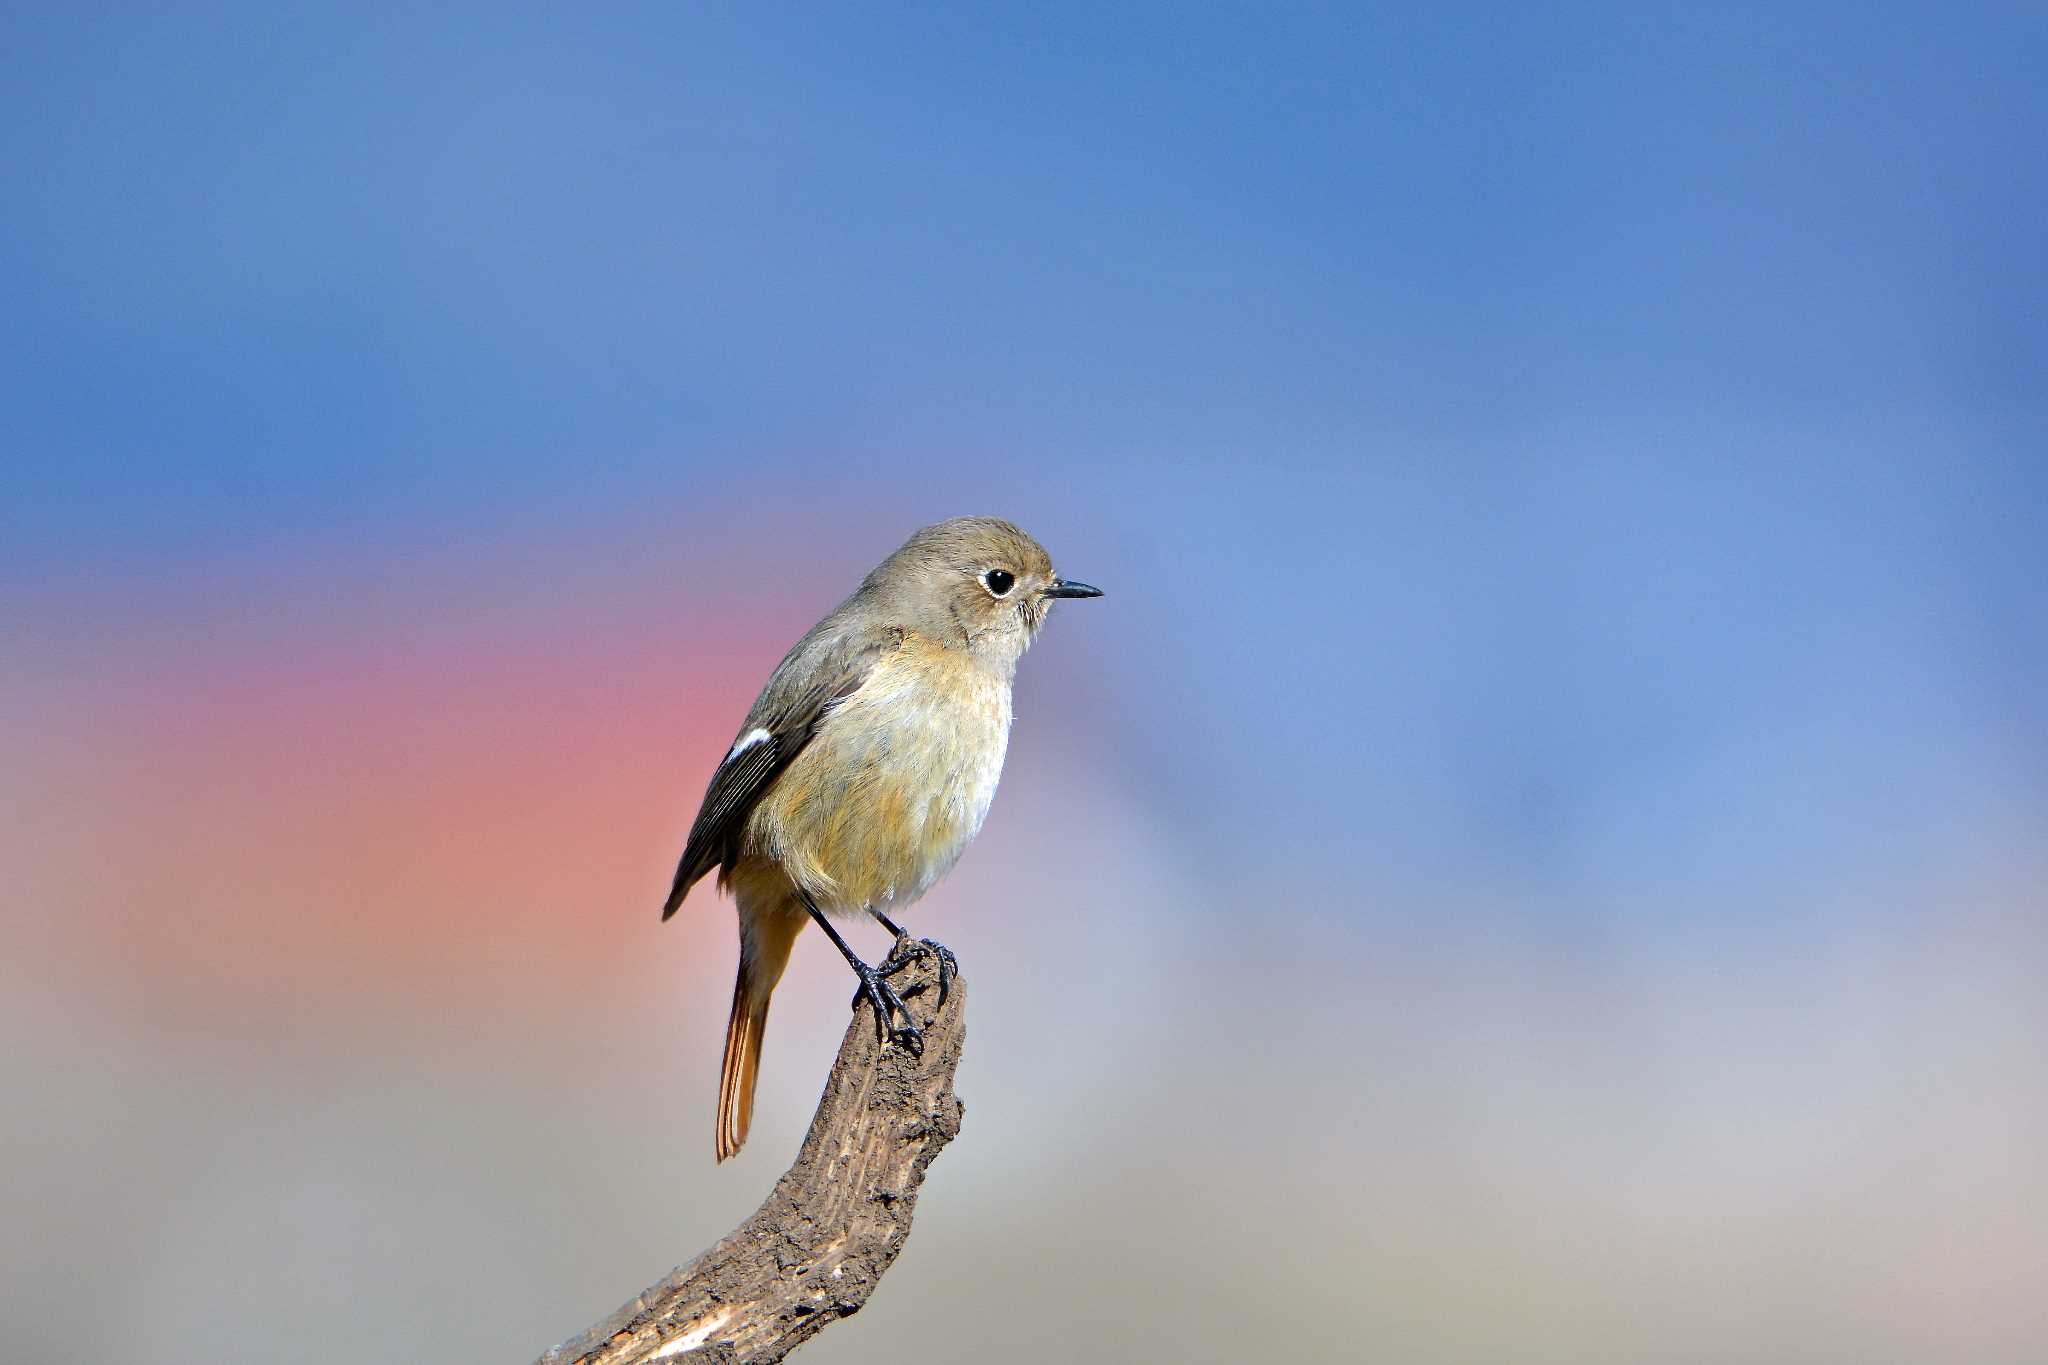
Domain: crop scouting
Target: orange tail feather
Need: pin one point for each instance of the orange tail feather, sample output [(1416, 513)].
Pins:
[(765, 942)]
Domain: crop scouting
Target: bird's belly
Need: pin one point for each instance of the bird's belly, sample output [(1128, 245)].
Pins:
[(898, 779)]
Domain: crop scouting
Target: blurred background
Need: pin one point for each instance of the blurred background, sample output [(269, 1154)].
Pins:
[(1539, 856)]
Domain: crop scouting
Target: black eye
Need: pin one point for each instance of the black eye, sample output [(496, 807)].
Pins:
[(999, 581)]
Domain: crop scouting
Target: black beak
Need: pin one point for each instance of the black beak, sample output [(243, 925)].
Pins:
[(1067, 587)]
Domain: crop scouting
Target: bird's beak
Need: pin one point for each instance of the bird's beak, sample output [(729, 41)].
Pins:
[(1067, 587)]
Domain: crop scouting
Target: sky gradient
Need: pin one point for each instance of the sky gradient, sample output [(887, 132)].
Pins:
[(1537, 857)]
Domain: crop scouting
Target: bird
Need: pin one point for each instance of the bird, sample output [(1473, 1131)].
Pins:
[(864, 769)]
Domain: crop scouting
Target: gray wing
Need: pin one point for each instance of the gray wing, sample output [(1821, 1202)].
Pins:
[(826, 666)]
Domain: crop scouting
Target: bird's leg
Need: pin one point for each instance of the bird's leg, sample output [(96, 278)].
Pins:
[(909, 950), (873, 988)]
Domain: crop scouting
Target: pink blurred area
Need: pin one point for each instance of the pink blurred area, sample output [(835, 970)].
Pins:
[(445, 833)]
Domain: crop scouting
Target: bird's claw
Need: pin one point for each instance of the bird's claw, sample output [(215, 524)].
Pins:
[(909, 950), (878, 992)]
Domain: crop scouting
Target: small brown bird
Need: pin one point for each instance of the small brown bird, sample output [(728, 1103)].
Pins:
[(864, 768)]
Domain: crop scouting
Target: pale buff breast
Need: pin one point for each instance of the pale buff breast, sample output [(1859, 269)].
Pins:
[(883, 800)]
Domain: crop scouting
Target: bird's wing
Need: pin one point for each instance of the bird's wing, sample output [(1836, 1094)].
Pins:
[(825, 667)]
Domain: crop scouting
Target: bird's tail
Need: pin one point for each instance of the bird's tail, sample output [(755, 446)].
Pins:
[(766, 936)]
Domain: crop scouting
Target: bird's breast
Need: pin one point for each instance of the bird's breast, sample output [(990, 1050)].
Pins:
[(899, 777)]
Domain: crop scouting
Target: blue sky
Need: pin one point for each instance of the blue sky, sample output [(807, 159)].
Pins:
[(1591, 364)]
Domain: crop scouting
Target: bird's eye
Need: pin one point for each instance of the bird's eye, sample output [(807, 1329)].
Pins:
[(999, 581)]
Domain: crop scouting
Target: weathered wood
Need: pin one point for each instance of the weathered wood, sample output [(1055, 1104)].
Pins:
[(835, 1221)]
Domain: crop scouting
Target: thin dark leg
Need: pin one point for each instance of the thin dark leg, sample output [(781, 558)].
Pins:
[(873, 988), (909, 950)]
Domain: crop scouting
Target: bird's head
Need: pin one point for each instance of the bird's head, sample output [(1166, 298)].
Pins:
[(977, 583)]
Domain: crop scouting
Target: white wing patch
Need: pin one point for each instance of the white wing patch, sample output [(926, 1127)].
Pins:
[(746, 742)]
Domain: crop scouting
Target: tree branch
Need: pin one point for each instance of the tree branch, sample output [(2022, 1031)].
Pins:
[(815, 1250)]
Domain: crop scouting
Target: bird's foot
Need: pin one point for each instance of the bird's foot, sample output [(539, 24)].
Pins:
[(909, 950), (876, 990)]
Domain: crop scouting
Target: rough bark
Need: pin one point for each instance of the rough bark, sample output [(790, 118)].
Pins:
[(834, 1223)]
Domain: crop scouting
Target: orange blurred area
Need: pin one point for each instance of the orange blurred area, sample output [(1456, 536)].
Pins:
[(466, 827)]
